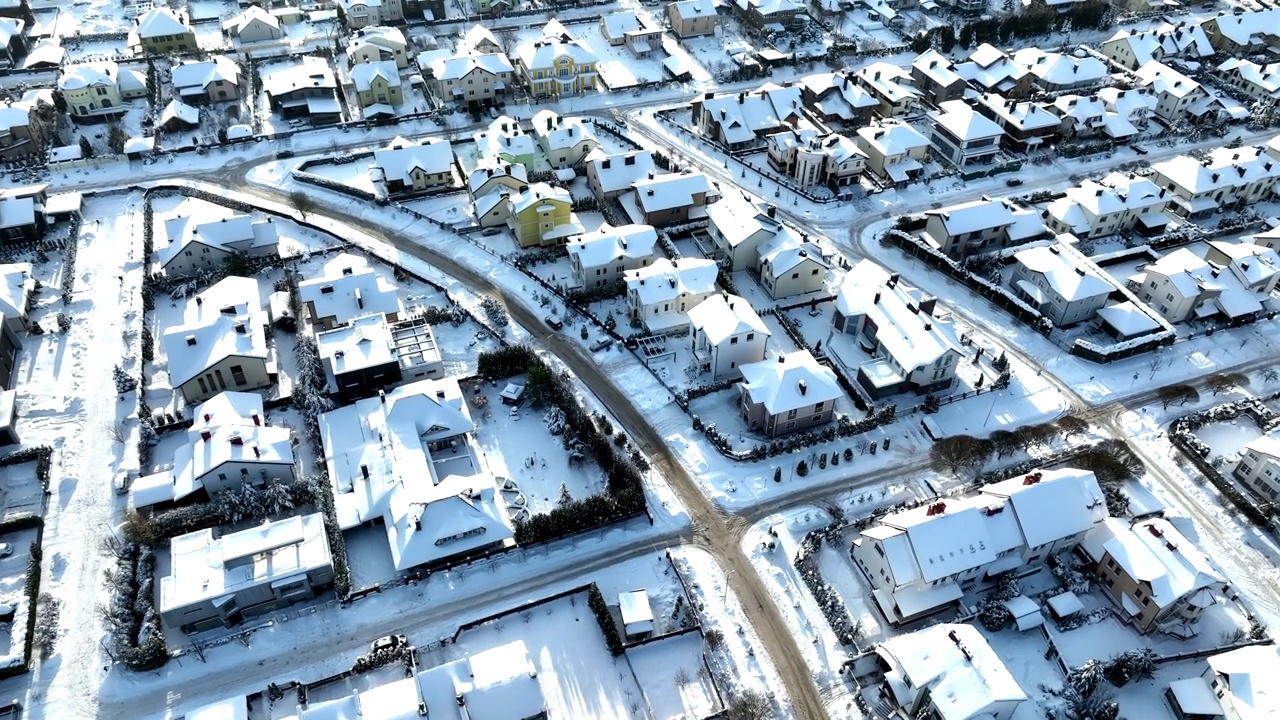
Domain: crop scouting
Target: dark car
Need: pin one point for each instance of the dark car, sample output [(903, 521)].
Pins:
[(1013, 182), (555, 322), (388, 642)]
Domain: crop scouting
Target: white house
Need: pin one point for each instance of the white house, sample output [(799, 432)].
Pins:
[(221, 343), (1175, 93), (602, 258), (786, 394), (742, 120), (1117, 203), (994, 71), (1060, 282), (791, 266), (1256, 267), (378, 87), (727, 334), (660, 295), (1089, 117), (913, 349), (202, 237), (833, 161), (368, 354), (348, 288), (473, 78), (738, 227), (637, 615), (968, 228), (213, 80), (612, 175), (1056, 72), (633, 30), (496, 176), (964, 136), (1259, 466), (1181, 285), (1235, 684), (253, 25), (1258, 82), (1244, 175), (405, 168), (17, 285), (1135, 49), (891, 86), (566, 141)]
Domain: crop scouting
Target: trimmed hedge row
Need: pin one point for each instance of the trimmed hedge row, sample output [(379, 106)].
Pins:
[(599, 608), (31, 588)]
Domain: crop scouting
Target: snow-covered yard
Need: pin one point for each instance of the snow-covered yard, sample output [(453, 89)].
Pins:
[(13, 577), (672, 677)]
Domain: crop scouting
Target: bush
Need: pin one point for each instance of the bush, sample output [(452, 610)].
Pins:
[(1130, 665), (612, 640), (124, 382), (505, 362), (802, 468), (131, 617)]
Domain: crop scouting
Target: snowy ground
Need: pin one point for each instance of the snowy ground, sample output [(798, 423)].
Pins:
[(673, 679), (13, 578)]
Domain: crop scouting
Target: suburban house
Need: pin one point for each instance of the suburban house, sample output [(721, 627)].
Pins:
[(890, 86), (218, 582), (161, 31), (479, 39), (727, 334), (377, 44), (692, 18), (944, 671), (369, 354), (1235, 684), (17, 287), (382, 458), (45, 54), (349, 288), (557, 64), (609, 176), (1059, 282), (661, 294), (922, 560), (221, 343), (1089, 117), (738, 228), (474, 78), (602, 258), (1056, 72), (212, 80), (1135, 49), (203, 237), (253, 25), (635, 31), (836, 97), (22, 217), (1158, 577), (494, 7), (565, 141), (803, 155), (362, 13), (1117, 203), (1027, 126), (980, 226), (377, 83), (542, 215), (406, 168), (1259, 466), (909, 348), (1256, 267), (496, 176), (670, 199), (964, 136), (176, 118), (786, 394), (504, 140), (989, 69), (936, 77), (782, 14), (791, 266), (1181, 285), (13, 43), (303, 87), (1257, 82), (742, 120), (895, 151), (1175, 93), (1226, 177), (1243, 33), (97, 90)]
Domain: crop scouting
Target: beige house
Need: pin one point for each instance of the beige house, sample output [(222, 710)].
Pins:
[(20, 132), (566, 141), (220, 352), (633, 30), (670, 199), (376, 43), (214, 80), (91, 89), (377, 84), (895, 151), (362, 13), (253, 25), (1259, 466), (1060, 282), (162, 31), (602, 258), (661, 294), (791, 266), (476, 79), (787, 394), (405, 168)]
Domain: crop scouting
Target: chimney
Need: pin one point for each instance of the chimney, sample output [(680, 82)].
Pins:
[(804, 387), (382, 395), (893, 280), (936, 509), (256, 452), (1154, 530), (359, 299), (254, 416), (207, 417), (771, 211), (364, 471), (199, 301), (605, 165), (782, 359), (191, 340), (650, 192), (206, 435), (237, 440), (928, 304), (876, 299), (440, 394)]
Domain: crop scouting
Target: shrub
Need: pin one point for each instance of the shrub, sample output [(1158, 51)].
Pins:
[(612, 640), (802, 468)]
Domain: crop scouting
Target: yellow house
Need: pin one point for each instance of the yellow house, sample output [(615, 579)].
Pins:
[(557, 64), (377, 83), (542, 215), (162, 31)]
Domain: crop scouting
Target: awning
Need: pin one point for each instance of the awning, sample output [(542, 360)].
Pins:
[(1065, 605), (1030, 290), (915, 601)]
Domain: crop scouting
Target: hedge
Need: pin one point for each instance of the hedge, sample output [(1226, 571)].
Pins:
[(42, 456), (31, 588), (599, 608)]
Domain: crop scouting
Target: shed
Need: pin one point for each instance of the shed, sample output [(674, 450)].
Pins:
[(154, 489), (1025, 611), (62, 206), (1142, 503), (281, 315), (512, 393), (136, 147), (1065, 605), (637, 616), (9, 418)]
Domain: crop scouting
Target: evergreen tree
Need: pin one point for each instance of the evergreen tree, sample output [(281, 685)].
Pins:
[(86, 150)]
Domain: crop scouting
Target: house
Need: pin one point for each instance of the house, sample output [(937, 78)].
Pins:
[(46, 54), (936, 77), (692, 18), (890, 86), (91, 90), (727, 334), (1258, 82), (357, 14), (1027, 126), (161, 31), (176, 118), (1175, 93), (964, 136), (13, 44), (496, 176), (738, 228), (218, 582), (17, 290), (787, 394), (10, 345), (1135, 49), (895, 151), (609, 176), (474, 78), (565, 141), (1178, 285), (1056, 72), (833, 161), (912, 349), (381, 451), (1158, 577), (542, 215), (961, 230), (635, 31), (303, 87), (1089, 117), (989, 69), (602, 258), (213, 80), (1235, 684), (557, 64), (504, 140), (406, 168), (22, 131), (1259, 466), (370, 354), (922, 560), (1268, 238), (22, 214), (221, 343), (944, 671), (742, 120), (1243, 33), (1115, 204), (349, 288), (253, 25), (377, 84), (786, 14), (836, 97), (1059, 282), (637, 616), (1136, 104), (203, 237), (1256, 267), (791, 266), (376, 44), (661, 294), (1225, 177), (670, 199), (479, 39)]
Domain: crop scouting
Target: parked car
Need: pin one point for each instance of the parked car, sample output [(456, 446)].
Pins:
[(1013, 182), (555, 322), (490, 232), (1139, 149), (388, 642), (283, 154), (6, 549), (601, 344)]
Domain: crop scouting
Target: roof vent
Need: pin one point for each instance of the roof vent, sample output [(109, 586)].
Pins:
[(803, 386), (206, 435), (241, 329), (1151, 528), (936, 509), (237, 440)]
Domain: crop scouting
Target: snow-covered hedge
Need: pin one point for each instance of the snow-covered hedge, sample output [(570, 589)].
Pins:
[(137, 639), (331, 184), (827, 597), (1182, 436), (599, 608)]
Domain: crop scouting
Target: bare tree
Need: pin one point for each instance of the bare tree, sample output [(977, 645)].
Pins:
[(749, 705), (302, 202), (1226, 382), (960, 455), (198, 646), (506, 38), (1177, 394)]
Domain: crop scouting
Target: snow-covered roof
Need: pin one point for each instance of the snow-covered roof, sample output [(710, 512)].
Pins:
[(619, 24), (542, 54), (537, 194), (913, 338), (491, 168), (236, 708), (685, 9), (401, 157), (206, 568), (365, 342), (251, 14), (790, 382), (990, 68), (1154, 553), (1249, 674), (160, 22), (966, 124), (1051, 505), (635, 610), (557, 132), (673, 190), (1223, 168), (1025, 116), (892, 138), (615, 173), (609, 244), (1253, 265), (305, 72), (1071, 279), (504, 136), (737, 218), (962, 673), (1264, 78), (459, 66), (195, 77), (348, 289), (1060, 70), (363, 74), (1248, 28), (478, 36), (744, 115), (180, 111), (215, 226), (1182, 40), (973, 216), (498, 683), (16, 285), (382, 36), (1268, 445), (192, 349), (1186, 271), (936, 67), (1115, 193), (785, 251), (721, 317), (1163, 79), (838, 95), (667, 280), (888, 80), (139, 145), (96, 74), (1128, 319)]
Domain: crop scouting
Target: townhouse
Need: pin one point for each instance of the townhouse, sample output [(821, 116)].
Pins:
[(1258, 82), (1225, 177), (1259, 466), (989, 69), (1242, 33), (1115, 204), (895, 151), (1135, 49), (1175, 93), (1027, 126)]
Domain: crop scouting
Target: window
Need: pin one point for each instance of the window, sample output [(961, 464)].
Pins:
[(751, 336), (879, 549), (238, 376), (790, 425), (815, 271), (817, 407), (222, 384), (733, 340), (791, 414), (795, 275)]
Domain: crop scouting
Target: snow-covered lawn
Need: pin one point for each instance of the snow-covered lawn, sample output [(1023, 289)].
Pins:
[(1227, 439), (20, 491), (13, 577), (354, 172), (672, 677)]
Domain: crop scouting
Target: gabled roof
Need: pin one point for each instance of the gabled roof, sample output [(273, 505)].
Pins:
[(251, 14), (557, 132), (1246, 27), (1249, 674), (491, 168), (199, 75), (401, 157), (1223, 168), (1052, 505), (307, 71), (961, 120), (912, 337), (161, 21), (543, 53), (459, 66), (892, 138), (1071, 280), (837, 94), (785, 251), (504, 136), (990, 68), (888, 80), (666, 280), (364, 74), (622, 169), (673, 190), (936, 67), (720, 317), (536, 194), (609, 244), (790, 382), (973, 216), (180, 111), (962, 673), (685, 9), (215, 226), (1163, 79), (1021, 115), (478, 36), (1155, 553), (1265, 78), (16, 285), (349, 289), (743, 115), (192, 349), (1060, 70)]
